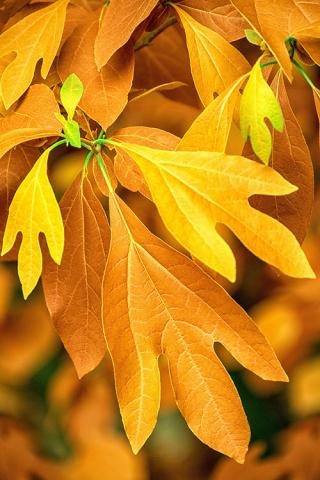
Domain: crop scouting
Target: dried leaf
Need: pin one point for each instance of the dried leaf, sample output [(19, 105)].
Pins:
[(34, 210), (155, 301), (73, 289), (38, 34), (106, 92), (195, 192), (33, 118), (119, 20), (215, 63)]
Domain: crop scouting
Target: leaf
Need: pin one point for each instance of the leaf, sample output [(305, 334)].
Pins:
[(215, 64), (258, 102), (220, 16), (119, 20), (126, 170), (72, 133), (253, 37), (166, 60), (291, 158), (210, 130), (35, 37), (195, 192), (105, 93), (34, 210), (71, 93), (73, 289), (156, 300), (159, 88), (33, 118), (275, 24)]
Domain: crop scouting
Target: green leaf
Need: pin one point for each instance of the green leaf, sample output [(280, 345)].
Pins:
[(71, 93), (72, 132), (258, 102), (253, 36)]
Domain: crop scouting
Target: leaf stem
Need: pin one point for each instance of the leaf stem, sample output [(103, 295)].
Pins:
[(104, 172), (272, 62), (57, 144), (306, 77), (147, 39), (85, 145), (86, 162)]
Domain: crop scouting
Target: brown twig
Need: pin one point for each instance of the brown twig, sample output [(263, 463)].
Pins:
[(149, 37)]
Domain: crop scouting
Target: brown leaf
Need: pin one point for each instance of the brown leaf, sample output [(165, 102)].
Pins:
[(290, 157), (156, 300), (106, 92), (119, 20), (126, 170), (219, 15), (73, 289), (33, 118)]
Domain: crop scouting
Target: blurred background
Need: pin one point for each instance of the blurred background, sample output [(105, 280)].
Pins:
[(53, 426)]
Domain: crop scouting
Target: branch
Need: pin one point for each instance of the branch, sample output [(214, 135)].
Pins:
[(149, 37)]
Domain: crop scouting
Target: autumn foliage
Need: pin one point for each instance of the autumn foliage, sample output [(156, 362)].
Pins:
[(157, 174)]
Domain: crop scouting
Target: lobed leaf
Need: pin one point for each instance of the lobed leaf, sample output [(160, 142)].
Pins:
[(35, 37), (258, 102), (34, 210), (156, 301), (195, 192)]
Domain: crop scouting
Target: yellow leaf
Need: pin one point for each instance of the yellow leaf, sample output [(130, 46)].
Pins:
[(35, 37), (34, 210), (156, 300), (258, 102), (210, 130), (195, 192), (215, 63)]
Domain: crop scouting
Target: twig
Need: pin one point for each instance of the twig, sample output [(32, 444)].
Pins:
[(147, 39)]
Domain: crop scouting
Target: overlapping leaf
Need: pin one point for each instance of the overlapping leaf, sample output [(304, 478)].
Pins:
[(33, 118), (119, 20), (106, 92), (35, 37), (258, 102), (34, 210), (215, 63), (73, 288), (219, 15), (276, 21), (156, 301), (291, 157), (126, 170), (14, 166), (194, 193), (210, 130)]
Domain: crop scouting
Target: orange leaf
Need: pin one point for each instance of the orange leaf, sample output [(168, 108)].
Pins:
[(156, 300), (106, 92), (119, 20), (126, 170), (291, 157), (33, 118), (73, 289), (219, 15), (36, 36)]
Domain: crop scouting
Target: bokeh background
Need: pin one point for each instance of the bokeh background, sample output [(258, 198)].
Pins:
[(53, 426)]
